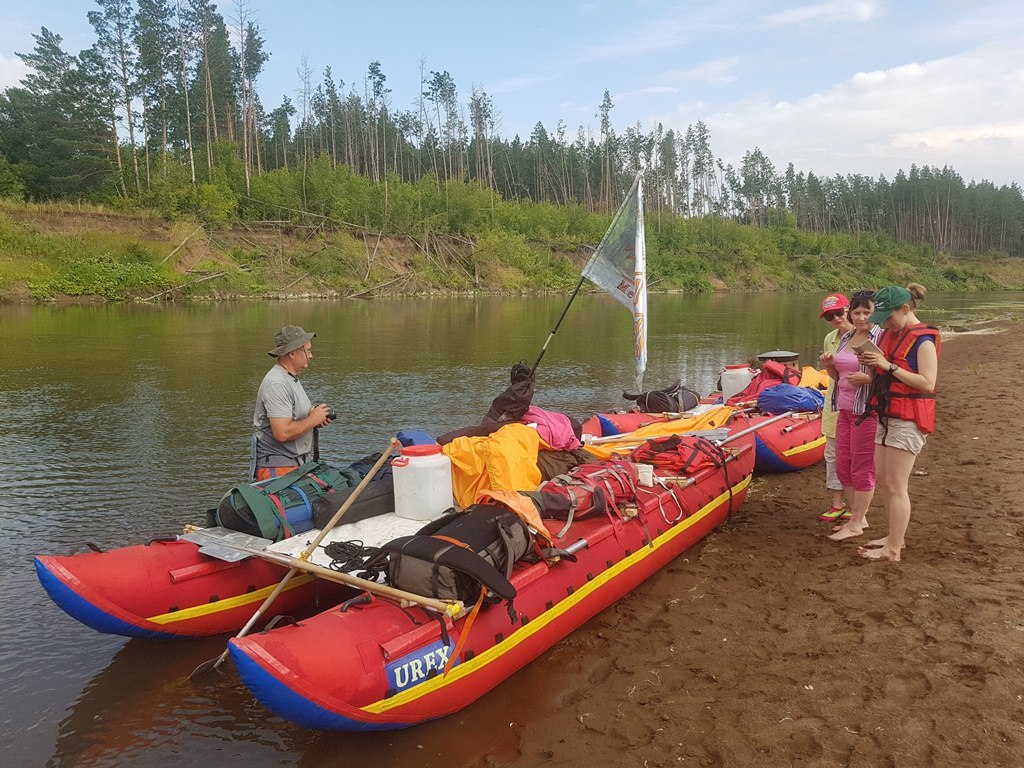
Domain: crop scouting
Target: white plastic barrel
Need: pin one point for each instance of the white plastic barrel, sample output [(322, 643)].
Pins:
[(423, 482), (734, 379)]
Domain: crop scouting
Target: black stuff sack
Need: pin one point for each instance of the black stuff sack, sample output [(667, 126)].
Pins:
[(377, 498)]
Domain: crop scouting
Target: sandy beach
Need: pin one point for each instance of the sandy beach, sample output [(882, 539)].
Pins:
[(772, 646)]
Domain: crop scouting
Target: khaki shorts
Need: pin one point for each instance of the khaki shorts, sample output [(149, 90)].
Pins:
[(900, 433)]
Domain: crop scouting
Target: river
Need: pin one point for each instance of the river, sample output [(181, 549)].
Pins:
[(122, 423)]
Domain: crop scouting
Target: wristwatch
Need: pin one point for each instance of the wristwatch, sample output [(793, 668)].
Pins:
[(893, 368)]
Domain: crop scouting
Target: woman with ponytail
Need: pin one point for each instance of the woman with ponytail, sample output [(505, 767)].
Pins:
[(903, 396)]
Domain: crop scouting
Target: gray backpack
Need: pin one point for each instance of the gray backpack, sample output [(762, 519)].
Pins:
[(459, 554)]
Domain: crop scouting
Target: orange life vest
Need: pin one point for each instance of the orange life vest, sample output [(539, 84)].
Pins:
[(892, 397)]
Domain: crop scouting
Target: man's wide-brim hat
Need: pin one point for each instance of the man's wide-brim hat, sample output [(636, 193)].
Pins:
[(288, 339)]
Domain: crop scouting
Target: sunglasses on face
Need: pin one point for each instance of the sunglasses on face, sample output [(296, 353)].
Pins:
[(830, 316)]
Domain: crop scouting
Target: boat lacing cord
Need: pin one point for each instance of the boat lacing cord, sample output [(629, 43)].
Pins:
[(661, 507), (719, 458), (351, 556)]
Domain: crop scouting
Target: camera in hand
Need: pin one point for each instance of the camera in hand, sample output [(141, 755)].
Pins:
[(331, 413)]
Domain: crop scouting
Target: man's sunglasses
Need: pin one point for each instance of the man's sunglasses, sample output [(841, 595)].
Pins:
[(830, 316)]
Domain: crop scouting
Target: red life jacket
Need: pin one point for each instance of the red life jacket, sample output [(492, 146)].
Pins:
[(895, 399)]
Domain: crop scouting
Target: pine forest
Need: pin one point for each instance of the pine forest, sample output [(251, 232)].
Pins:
[(163, 113)]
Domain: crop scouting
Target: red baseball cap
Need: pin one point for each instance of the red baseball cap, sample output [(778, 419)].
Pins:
[(833, 302)]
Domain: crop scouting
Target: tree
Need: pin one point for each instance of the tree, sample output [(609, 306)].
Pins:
[(758, 186), (54, 126), (251, 58), (185, 53), (334, 109), (607, 151), (481, 117), (441, 92), (216, 76), (376, 116), (154, 37), (113, 25), (281, 131)]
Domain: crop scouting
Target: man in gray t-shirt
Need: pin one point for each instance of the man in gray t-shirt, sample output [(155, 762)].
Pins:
[(284, 419)]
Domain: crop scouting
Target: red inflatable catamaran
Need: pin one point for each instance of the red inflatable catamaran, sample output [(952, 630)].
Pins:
[(374, 663)]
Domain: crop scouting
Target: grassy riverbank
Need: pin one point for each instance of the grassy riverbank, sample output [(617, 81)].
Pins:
[(65, 251)]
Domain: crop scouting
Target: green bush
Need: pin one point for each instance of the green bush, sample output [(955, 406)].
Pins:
[(111, 276)]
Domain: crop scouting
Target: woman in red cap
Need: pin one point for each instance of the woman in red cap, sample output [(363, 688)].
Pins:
[(833, 311)]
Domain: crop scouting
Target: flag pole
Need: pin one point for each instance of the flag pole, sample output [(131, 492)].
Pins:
[(555, 329)]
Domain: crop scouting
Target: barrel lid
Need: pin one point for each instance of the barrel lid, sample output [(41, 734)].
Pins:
[(779, 355), (737, 367), (428, 449)]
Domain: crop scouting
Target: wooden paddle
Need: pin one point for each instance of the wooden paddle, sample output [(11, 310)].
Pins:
[(212, 664), (451, 607)]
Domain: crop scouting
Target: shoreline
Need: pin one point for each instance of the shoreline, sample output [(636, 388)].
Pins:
[(770, 645)]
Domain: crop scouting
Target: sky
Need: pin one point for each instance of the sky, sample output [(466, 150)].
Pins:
[(835, 87)]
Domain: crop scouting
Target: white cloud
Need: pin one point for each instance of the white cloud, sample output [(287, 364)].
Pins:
[(858, 11), (663, 35), (12, 71), (520, 83), (962, 111), (714, 71), (652, 90)]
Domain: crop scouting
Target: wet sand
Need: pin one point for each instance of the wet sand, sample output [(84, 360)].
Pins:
[(772, 646)]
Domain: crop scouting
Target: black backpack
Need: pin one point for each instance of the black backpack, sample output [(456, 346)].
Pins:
[(672, 399), (459, 554)]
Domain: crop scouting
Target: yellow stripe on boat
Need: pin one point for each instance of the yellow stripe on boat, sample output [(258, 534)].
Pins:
[(808, 447), (227, 604), (536, 625)]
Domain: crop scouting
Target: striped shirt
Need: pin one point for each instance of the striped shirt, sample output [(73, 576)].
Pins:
[(864, 390)]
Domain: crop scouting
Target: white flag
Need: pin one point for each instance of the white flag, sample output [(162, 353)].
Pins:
[(619, 266)]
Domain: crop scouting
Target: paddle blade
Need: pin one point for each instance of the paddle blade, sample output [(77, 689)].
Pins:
[(208, 666)]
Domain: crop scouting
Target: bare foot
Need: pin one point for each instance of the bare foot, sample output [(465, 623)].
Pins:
[(883, 542), (879, 553), (847, 531), (837, 528)]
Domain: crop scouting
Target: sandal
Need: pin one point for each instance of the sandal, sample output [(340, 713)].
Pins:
[(847, 514), (833, 514)]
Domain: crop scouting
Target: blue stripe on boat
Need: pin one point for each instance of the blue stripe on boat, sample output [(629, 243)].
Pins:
[(81, 609), (766, 461), (279, 698)]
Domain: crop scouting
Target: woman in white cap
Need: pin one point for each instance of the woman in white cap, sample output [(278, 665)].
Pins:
[(284, 419), (904, 398)]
